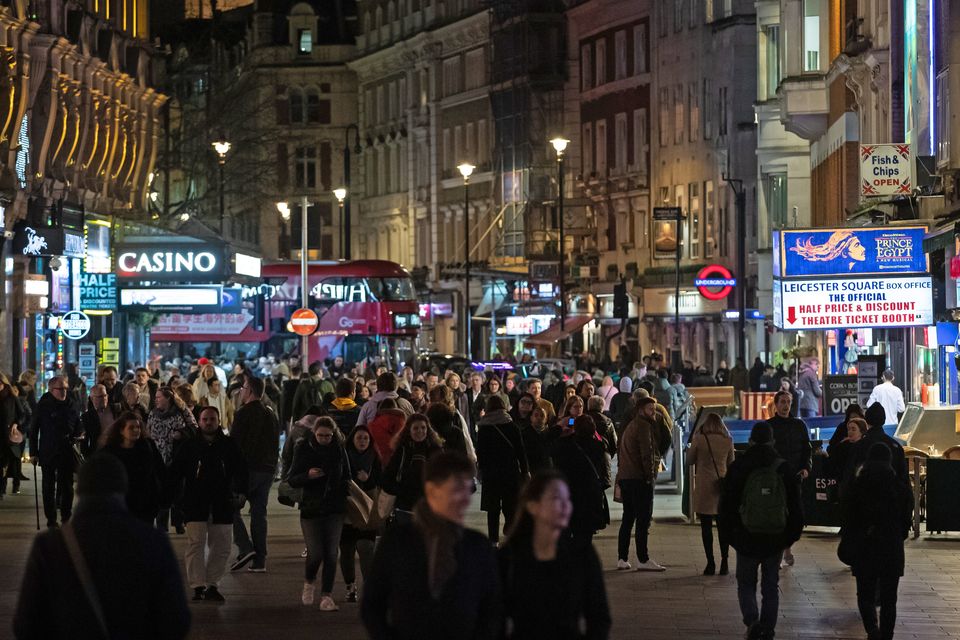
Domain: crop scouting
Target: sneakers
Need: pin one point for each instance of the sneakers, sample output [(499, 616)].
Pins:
[(212, 594), (198, 594), (623, 565), (650, 565), (256, 568), (327, 604), (788, 558), (352, 592), (303, 554), (309, 592), (242, 560)]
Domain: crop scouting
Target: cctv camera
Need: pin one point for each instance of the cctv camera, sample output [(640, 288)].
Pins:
[(55, 263)]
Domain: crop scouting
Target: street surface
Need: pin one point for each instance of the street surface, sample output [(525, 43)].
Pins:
[(818, 597)]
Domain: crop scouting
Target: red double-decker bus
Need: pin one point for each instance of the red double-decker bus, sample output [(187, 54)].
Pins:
[(367, 308)]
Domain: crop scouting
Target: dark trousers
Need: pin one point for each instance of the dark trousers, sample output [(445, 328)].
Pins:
[(58, 489), (769, 590), (322, 537), (505, 503), (637, 497), (258, 493), (874, 591), (706, 534), (353, 541), (14, 468)]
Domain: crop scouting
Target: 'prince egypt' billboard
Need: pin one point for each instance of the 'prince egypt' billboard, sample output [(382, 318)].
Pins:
[(848, 252)]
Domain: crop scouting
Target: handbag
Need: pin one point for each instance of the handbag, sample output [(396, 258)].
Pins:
[(360, 506), (16, 436), (385, 504), (288, 496), (523, 475), (83, 573)]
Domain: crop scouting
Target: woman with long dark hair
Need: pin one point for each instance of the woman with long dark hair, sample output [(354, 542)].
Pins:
[(12, 436), (365, 470), (711, 450), (403, 476), (126, 440), (552, 589), (579, 456)]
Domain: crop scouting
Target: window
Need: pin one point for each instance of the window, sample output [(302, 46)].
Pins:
[(640, 141), (640, 49), (771, 37), (483, 144), (775, 197), (694, 219), (448, 160), (811, 35), (381, 105), (693, 99), (476, 69), (709, 221), (663, 21), (708, 109), (601, 61), (587, 149), (318, 111), (392, 111), (722, 112), (304, 41), (586, 68), (451, 76), (679, 123), (678, 12), (644, 240), (306, 167), (369, 107), (620, 47), (470, 145), (620, 143), (458, 148), (601, 128), (663, 109), (297, 115)]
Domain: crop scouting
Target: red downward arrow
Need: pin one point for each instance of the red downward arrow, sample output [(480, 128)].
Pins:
[(791, 314)]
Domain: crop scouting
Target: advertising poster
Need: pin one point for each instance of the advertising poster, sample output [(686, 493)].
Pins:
[(852, 252), (839, 392), (666, 232)]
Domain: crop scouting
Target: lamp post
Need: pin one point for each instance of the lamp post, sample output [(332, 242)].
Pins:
[(284, 210), (466, 170), (345, 204), (340, 194), (222, 147), (560, 145)]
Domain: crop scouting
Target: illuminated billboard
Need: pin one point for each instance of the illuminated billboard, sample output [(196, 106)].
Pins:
[(849, 252)]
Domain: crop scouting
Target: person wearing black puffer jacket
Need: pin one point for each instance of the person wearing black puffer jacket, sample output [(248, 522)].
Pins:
[(877, 509), (320, 467), (365, 470), (503, 464)]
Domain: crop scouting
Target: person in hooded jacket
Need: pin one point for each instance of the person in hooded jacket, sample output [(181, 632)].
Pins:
[(878, 512), (579, 456), (365, 470), (386, 388), (620, 404), (321, 468), (403, 476), (344, 410), (56, 426), (503, 464), (761, 551), (384, 427), (604, 425), (442, 394)]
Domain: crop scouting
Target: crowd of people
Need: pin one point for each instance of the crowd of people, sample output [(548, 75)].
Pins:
[(382, 470)]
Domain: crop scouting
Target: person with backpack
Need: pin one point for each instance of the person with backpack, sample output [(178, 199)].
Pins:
[(386, 387), (311, 391), (760, 514), (388, 423)]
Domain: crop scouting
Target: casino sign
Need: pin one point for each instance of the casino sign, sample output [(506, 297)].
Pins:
[(715, 282)]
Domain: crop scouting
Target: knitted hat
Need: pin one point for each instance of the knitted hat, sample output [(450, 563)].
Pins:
[(102, 474), (761, 433), (876, 415)]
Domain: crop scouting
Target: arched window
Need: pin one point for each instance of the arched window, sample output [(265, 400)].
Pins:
[(297, 107)]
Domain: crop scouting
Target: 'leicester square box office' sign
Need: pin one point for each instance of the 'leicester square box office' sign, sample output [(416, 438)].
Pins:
[(849, 252)]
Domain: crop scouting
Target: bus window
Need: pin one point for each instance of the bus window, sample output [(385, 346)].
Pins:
[(392, 289)]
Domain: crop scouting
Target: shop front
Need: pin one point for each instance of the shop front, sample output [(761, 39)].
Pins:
[(705, 337)]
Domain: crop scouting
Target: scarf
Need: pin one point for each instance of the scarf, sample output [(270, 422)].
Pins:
[(440, 537)]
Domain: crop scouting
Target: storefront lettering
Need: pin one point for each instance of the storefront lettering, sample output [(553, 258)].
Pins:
[(167, 262)]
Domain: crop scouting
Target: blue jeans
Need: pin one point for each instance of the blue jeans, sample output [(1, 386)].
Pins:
[(258, 492), (322, 538), (769, 589), (808, 413)]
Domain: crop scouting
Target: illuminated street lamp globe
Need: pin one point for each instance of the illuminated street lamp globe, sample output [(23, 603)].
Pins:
[(284, 210), (559, 145), (466, 170), (340, 193), (222, 147)]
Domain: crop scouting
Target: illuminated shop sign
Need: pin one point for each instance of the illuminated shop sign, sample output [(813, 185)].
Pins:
[(853, 303), (196, 299), (98, 291), (200, 263), (39, 240), (886, 170), (849, 252)]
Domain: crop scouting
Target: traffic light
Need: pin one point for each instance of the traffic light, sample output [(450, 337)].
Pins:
[(621, 303)]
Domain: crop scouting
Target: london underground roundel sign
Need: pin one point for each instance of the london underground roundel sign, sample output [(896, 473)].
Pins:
[(715, 282), (304, 322), (75, 324)]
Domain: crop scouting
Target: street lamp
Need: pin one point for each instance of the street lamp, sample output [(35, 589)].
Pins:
[(340, 194), (222, 147), (466, 170), (345, 205), (560, 145), (284, 210)]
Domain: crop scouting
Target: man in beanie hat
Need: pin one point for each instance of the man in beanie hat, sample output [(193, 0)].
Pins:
[(131, 566), (761, 515), (876, 417)]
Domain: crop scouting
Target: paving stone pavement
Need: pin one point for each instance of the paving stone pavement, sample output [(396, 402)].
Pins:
[(818, 596)]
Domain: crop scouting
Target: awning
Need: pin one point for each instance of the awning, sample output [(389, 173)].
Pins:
[(554, 334)]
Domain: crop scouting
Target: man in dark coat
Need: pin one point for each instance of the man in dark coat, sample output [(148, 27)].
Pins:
[(452, 591), (756, 373), (503, 462), (759, 550), (256, 430), (56, 425), (131, 565), (344, 410), (792, 442), (97, 418), (875, 416), (213, 475)]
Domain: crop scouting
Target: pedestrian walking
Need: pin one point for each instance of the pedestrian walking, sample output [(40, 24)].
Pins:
[(792, 443), (761, 516), (256, 430), (106, 574), (604, 425), (384, 426), (551, 588), (876, 418), (890, 397), (579, 456), (55, 430), (97, 419), (620, 404), (216, 397), (357, 539), (13, 427), (321, 469), (443, 395), (169, 426), (809, 384), (841, 461), (447, 424), (493, 388), (211, 471), (310, 392), (343, 409), (503, 465), (432, 578), (710, 453), (402, 477), (126, 440), (641, 449), (535, 388), (386, 388), (878, 512)]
